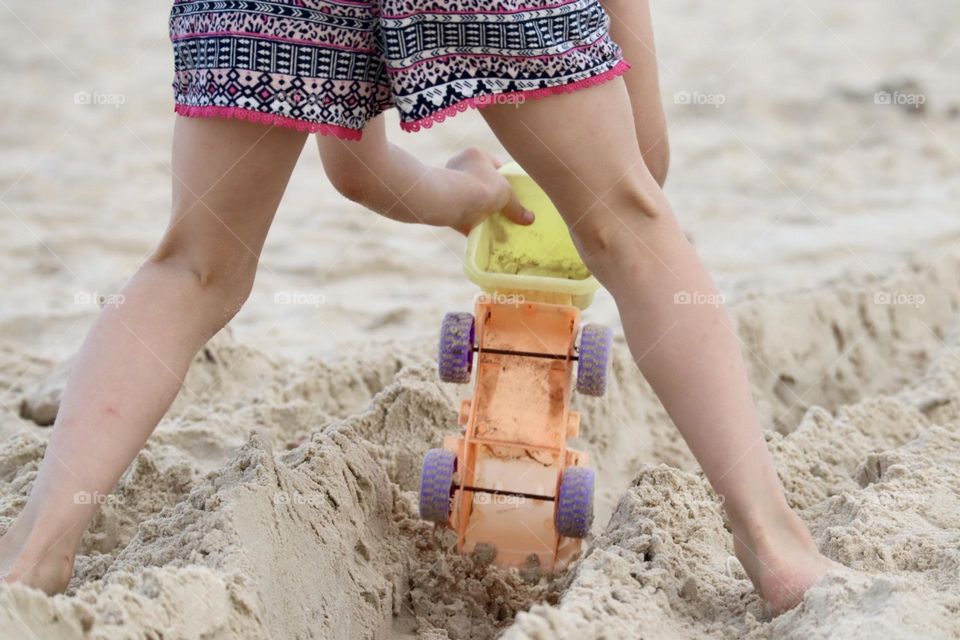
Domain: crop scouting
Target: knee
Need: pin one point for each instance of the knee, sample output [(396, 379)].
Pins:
[(625, 230), (218, 278)]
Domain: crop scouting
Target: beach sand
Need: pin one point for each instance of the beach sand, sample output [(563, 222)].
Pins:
[(277, 497)]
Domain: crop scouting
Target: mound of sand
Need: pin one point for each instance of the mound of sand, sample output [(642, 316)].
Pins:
[(277, 498), (877, 481)]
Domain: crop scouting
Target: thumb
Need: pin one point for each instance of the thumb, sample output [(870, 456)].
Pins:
[(514, 211)]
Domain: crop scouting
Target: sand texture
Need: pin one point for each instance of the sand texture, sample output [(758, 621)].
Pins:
[(226, 526)]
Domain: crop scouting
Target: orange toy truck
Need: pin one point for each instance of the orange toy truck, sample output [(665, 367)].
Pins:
[(509, 479)]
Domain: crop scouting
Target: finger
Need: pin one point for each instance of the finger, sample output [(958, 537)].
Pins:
[(514, 211)]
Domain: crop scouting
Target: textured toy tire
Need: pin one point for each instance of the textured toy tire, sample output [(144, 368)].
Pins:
[(593, 363), (455, 355), (436, 480), (574, 513)]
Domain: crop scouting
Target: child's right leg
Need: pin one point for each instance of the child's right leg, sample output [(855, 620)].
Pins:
[(627, 234), (228, 179)]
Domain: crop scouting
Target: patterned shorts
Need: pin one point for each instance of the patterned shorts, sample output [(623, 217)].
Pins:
[(329, 66)]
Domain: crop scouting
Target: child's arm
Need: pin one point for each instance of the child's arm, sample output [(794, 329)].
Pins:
[(390, 181), (632, 29)]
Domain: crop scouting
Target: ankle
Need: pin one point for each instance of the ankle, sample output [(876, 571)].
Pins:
[(49, 571), (779, 556), (35, 536), (769, 528)]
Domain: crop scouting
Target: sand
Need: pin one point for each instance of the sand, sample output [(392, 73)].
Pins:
[(225, 526), (276, 498), (545, 249)]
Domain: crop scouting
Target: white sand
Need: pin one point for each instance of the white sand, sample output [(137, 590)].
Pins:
[(276, 498)]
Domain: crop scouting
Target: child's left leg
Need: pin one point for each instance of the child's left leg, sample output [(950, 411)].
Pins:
[(386, 179)]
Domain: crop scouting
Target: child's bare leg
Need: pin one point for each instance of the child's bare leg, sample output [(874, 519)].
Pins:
[(390, 181), (632, 29), (229, 177), (628, 236)]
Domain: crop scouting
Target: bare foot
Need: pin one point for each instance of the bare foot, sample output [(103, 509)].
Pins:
[(43, 402), (47, 567), (496, 192), (781, 559)]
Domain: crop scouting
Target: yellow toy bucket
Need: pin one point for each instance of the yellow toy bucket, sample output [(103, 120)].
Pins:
[(503, 257)]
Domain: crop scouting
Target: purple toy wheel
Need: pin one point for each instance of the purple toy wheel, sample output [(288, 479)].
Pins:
[(455, 357), (593, 359), (436, 481), (574, 512)]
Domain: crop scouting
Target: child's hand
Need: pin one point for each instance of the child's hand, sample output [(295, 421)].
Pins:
[(494, 192)]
